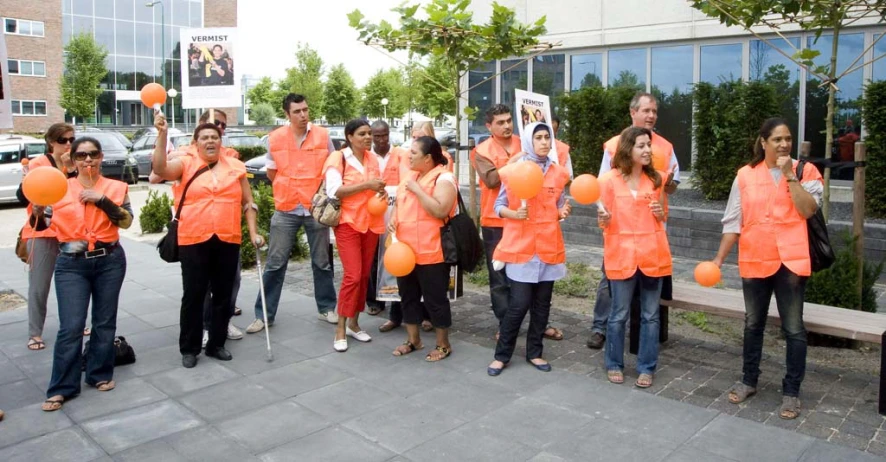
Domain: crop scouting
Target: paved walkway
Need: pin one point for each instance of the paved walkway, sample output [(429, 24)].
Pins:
[(313, 404)]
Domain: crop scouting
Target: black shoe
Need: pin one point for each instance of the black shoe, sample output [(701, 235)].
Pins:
[(220, 353), (596, 341), (189, 361), (546, 367)]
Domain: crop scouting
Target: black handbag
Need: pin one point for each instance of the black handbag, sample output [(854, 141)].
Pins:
[(123, 352), (168, 245), (461, 240), (821, 254)]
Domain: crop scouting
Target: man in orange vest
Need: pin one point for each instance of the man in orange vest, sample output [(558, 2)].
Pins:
[(295, 167), (563, 157), (644, 113)]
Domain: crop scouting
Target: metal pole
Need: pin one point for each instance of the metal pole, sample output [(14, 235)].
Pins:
[(163, 42), (173, 112)]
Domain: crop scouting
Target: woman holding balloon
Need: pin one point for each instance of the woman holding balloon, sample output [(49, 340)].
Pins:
[(43, 245), (766, 214), (91, 265), (635, 249), (532, 246), (353, 176), (425, 198)]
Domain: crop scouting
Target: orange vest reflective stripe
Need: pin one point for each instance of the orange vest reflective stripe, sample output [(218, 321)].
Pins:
[(354, 208), (299, 170), (540, 234), (492, 151), (415, 226), (772, 230), (634, 239), (394, 166), (75, 221), (213, 205), (660, 148), (27, 231), (562, 154)]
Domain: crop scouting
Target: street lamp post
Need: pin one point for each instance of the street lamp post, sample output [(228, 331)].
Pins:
[(162, 38), (172, 94), (384, 103)]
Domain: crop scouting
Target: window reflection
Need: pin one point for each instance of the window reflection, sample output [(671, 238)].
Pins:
[(720, 63), (627, 68), (481, 97), (125, 37), (549, 77), (672, 86), (83, 7), (104, 8), (123, 9), (879, 66), (773, 68), (104, 34), (144, 39), (82, 25), (516, 78), (179, 13), (586, 70), (125, 73)]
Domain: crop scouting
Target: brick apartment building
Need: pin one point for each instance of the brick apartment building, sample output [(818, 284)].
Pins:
[(131, 30)]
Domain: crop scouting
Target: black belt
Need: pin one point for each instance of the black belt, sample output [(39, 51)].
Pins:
[(100, 251)]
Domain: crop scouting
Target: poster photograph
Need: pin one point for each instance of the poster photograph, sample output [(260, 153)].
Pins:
[(209, 61), (533, 107)]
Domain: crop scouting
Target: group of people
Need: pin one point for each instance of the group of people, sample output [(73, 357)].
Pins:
[(76, 240)]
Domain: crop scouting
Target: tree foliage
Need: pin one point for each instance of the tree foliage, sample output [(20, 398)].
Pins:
[(431, 99), (263, 114), (384, 84), (263, 93), (594, 114), (304, 78), (84, 71), (340, 95), (875, 172)]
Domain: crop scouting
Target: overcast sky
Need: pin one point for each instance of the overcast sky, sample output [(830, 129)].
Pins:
[(270, 31)]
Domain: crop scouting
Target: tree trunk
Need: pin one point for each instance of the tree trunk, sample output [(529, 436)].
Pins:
[(829, 124)]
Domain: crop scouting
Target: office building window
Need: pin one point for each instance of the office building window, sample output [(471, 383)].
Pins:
[(517, 78), (549, 76), (672, 86), (720, 63), (586, 70), (879, 66), (627, 68), (772, 67), (14, 26), (483, 96), (28, 108), (29, 68)]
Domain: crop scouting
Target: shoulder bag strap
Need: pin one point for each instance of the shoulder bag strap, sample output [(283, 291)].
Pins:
[(801, 165), (181, 201)]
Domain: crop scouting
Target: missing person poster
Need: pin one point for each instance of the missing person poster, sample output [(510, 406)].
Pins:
[(5, 88), (533, 107), (210, 75), (386, 285)]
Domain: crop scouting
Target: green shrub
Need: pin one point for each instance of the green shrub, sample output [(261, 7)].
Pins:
[(835, 286), (593, 115), (263, 196), (156, 212), (579, 282), (874, 113), (249, 152), (725, 123)]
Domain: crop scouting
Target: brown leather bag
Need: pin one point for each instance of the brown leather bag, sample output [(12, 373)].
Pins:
[(21, 248)]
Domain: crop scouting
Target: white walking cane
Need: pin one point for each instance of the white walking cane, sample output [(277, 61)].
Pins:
[(264, 304)]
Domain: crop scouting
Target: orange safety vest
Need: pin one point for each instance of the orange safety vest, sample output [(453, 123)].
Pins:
[(191, 150), (540, 234), (492, 151), (213, 205), (562, 153), (394, 166), (299, 170), (27, 231), (660, 148), (634, 239), (415, 226), (76, 221), (772, 230), (354, 208)]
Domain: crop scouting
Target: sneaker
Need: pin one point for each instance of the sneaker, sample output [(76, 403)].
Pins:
[(330, 316), (596, 341), (205, 338), (256, 326), (233, 332)]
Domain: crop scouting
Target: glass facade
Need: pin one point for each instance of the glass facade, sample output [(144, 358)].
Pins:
[(587, 70), (514, 76), (482, 96), (879, 71), (720, 63), (627, 68), (142, 44), (672, 84), (549, 77), (770, 66)]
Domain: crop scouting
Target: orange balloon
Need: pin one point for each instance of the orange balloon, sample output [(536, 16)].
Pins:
[(153, 94), (45, 185), (527, 179), (585, 189), (377, 206), (26, 161), (399, 259), (707, 274), (659, 162)]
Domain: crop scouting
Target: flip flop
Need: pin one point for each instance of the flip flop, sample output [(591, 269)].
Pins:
[(106, 385), (52, 405), (446, 352), (643, 381), (557, 335), (616, 377), (35, 345)]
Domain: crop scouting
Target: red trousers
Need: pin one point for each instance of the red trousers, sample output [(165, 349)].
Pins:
[(356, 251)]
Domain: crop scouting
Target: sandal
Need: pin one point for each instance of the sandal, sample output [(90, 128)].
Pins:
[(740, 392), (445, 354), (388, 326), (616, 377), (374, 310), (52, 405), (105, 385), (790, 408), (409, 349), (237, 311), (427, 326), (555, 334), (643, 381), (35, 345)]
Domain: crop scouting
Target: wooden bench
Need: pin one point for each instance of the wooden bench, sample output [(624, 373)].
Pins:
[(823, 319)]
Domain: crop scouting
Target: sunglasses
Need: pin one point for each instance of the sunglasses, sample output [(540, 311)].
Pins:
[(220, 124), (81, 155), (65, 140)]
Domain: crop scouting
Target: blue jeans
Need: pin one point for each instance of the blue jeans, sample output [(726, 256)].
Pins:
[(603, 304), (622, 292), (77, 280), (498, 280), (282, 237), (789, 292)]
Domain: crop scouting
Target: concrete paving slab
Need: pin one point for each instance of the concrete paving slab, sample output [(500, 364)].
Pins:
[(127, 395), (333, 444), (229, 399), (39, 423), (250, 359), (532, 422), (312, 345), (207, 443), (9, 371), (273, 425), (821, 451), (401, 428), (465, 444), (733, 438), (165, 318), (362, 397), (607, 441), (465, 400), (69, 445), (143, 342), (156, 450), (299, 378), (133, 427), (156, 360), (19, 394), (690, 454), (179, 381)]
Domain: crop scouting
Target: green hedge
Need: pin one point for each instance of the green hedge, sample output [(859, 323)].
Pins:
[(726, 121), (874, 114), (156, 212), (249, 152), (593, 115), (264, 197), (835, 286)]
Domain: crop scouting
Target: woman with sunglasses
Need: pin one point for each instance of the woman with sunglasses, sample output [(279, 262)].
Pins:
[(43, 245), (91, 265)]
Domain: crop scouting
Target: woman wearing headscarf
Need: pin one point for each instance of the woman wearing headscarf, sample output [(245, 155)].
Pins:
[(531, 248), (91, 265), (209, 234), (43, 245)]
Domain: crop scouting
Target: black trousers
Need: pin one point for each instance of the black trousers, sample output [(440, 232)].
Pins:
[(523, 297), (498, 280), (212, 266), (430, 282)]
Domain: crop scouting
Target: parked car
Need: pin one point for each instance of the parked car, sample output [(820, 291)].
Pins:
[(146, 151), (120, 137), (240, 139), (117, 163), (257, 173), (146, 136), (14, 148)]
